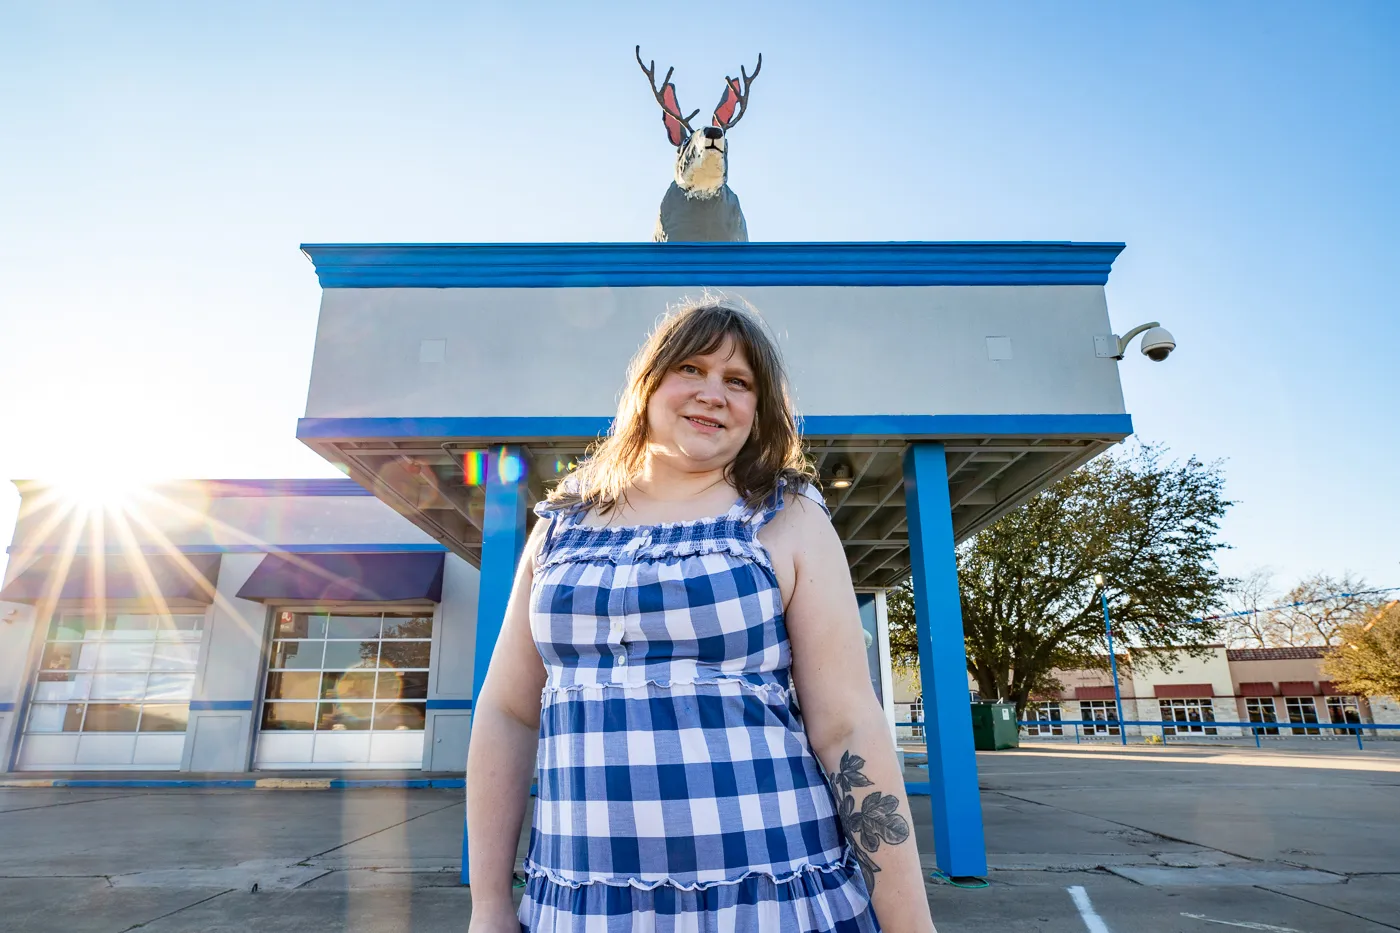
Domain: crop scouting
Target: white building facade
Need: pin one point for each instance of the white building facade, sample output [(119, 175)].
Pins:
[(230, 627), (349, 624)]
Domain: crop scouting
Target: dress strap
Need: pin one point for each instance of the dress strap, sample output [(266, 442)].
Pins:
[(559, 518), (775, 502)]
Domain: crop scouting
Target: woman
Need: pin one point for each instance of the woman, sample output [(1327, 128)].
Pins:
[(672, 585)]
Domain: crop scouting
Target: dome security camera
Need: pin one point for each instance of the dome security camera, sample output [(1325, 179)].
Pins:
[(1157, 344)]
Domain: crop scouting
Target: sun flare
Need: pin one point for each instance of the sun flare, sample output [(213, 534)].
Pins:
[(99, 492)]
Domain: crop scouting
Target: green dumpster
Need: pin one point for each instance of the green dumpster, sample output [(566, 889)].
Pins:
[(994, 726)]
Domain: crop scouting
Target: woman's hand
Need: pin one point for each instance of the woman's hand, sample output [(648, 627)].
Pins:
[(498, 920)]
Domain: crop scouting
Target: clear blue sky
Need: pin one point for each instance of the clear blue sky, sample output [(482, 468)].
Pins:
[(161, 162)]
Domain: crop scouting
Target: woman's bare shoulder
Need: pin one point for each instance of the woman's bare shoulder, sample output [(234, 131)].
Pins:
[(801, 522)]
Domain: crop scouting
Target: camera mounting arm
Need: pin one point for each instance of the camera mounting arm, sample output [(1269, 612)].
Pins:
[(1156, 345)]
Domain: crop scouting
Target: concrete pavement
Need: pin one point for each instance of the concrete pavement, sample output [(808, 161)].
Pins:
[(1142, 840)]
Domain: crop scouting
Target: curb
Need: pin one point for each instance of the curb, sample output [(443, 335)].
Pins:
[(242, 783)]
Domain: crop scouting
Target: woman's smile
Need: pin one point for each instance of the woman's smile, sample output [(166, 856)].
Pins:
[(705, 425)]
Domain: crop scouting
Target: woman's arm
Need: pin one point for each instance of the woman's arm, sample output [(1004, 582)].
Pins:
[(501, 755), (845, 724)]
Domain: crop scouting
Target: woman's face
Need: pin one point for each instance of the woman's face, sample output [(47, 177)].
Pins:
[(703, 411)]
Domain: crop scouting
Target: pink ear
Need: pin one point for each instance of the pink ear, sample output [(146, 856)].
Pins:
[(674, 130), (724, 112)]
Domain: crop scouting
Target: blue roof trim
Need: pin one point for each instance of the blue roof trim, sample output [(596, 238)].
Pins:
[(208, 705), (491, 427), (1107, 425), (239, 488), (427, 547), (575, 265), (449, 704)]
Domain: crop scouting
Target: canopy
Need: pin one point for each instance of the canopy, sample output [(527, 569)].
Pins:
[(187, 577), (378, 578)]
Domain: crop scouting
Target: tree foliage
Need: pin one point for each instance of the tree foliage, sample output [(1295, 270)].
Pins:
[(904, 642), (1365, 660), (1029, 601), (1312, 613)]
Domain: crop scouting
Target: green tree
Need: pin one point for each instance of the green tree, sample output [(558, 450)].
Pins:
[(904, 643), (1366, 660), (1029, 601)]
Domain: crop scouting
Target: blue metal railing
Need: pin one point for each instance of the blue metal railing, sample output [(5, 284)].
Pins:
[(1196, 727), (1101, 727)]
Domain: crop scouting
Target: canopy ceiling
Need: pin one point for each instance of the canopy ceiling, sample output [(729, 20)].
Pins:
[(424, 479)]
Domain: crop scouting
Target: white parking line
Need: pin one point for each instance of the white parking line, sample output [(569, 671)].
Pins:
[(1267, 928), (1091, 919)]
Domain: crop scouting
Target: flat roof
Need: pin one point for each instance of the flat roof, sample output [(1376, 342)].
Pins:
[(616, 265)]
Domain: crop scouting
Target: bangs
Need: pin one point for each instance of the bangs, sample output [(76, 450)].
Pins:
[(773, 453), (703, 332)]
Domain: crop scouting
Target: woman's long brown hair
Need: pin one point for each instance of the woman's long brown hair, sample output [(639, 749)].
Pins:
[(773, 452)]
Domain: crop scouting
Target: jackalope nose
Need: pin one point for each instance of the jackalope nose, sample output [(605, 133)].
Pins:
[(714, 132)]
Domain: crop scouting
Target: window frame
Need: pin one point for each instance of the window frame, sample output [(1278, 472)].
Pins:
[(1109, 708), (1302, 726), (190, 632), (1203, 707), (383, 611), (1254, 706), (1345, 704), (1049, 712)]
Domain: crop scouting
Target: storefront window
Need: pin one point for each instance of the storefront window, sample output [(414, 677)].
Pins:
[(1187, 711), (1304, 710), (360, 672), (123, 674), (1047, 712), (1261, 709), (1344, 710), (342, 672), (1099, 711)]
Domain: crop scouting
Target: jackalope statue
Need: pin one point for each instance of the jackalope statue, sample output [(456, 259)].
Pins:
[(699, 205)]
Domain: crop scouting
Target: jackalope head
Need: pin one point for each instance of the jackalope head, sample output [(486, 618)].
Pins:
[(702, 159)]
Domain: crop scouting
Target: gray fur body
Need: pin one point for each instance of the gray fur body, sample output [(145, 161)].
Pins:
[(696, 218)]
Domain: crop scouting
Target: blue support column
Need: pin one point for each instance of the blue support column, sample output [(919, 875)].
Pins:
[(502, 542), (952, 762)]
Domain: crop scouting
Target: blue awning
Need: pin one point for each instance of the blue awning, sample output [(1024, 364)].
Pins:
[(373, 578), (189, 578)]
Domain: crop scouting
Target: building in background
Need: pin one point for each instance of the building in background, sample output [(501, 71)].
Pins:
[(1283, 688), (252, 625), (941, 384), (233, 626), (1265, 685)]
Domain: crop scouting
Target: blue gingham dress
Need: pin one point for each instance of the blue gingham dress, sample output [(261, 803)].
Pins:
[(677, 791)]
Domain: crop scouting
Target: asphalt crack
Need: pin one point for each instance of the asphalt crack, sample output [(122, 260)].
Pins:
[(349, 842), (69, 803), (1296, 897), (204, 900), (1186, 842)]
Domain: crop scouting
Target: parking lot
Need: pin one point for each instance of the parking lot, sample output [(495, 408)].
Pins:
[(1080, 838)]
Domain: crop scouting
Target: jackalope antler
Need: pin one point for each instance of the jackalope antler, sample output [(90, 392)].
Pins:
[(666, 94), (735, 96)]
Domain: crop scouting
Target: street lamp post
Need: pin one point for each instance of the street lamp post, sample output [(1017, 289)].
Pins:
[(1112, 658)]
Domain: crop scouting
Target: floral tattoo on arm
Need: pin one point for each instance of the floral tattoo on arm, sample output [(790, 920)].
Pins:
[(876, 821)]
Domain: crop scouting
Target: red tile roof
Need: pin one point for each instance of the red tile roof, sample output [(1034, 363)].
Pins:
[(1274, 654)]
